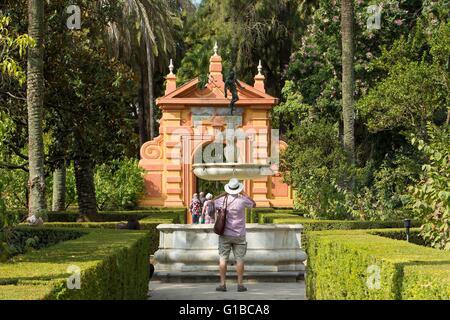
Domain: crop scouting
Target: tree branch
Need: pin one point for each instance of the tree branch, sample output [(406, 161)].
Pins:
[(13, 96), (16, 150), (5, 165)]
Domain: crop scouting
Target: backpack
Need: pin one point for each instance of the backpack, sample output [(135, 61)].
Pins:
[(196, 208), (221, 219), (211, 209)]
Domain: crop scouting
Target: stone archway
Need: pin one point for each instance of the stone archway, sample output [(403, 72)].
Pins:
[(213, 187)]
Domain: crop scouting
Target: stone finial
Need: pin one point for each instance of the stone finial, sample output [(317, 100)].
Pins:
[(259, 79), (260, 68), (215, 66), (171, 66), (171, 83)]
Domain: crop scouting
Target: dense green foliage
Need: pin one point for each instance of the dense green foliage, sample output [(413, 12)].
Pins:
[(402, 85), (245, 31), (94, 97), (113, 265), (119, 185), (11, 44), (431, 195), (359, 265)]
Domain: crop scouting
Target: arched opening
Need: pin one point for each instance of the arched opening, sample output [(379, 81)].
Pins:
[(201, 185)]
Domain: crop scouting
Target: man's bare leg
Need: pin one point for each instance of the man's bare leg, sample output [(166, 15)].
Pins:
[(240, 272), (223, 271)]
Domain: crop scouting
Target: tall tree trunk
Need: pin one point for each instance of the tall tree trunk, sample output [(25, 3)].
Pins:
[(59, 188), (348, 77), (151, 90), (142, 107), (84, 180), (35, 102)]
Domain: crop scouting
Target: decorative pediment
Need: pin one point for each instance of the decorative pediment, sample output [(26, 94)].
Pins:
[(214, 94)]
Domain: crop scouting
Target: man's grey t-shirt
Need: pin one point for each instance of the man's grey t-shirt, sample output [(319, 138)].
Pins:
[(236, 204)]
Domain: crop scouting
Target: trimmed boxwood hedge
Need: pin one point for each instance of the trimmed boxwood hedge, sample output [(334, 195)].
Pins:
[(256, 215), (113, 263), (177, 215), (146, 224), (270, 217), (149, 220), (315, 225), (338, 267)]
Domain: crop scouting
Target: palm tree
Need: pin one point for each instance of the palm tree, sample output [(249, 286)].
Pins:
[(35, 101), (143, 35), (348, 78)]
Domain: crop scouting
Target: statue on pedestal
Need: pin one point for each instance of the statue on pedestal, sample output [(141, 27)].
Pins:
[(231, 84)]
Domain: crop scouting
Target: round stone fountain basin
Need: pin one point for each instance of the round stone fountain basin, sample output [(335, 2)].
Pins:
[(226, 171)]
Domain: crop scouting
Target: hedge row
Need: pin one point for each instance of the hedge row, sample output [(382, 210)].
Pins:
[(147, 225), (254, 215), (113, 264), (347, 264), (316, 225), (177, 215), (43, 238)]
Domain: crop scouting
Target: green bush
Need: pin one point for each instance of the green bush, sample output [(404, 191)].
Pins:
[(119, 185), (24, 239), (431, 195), (312, 164), (113, 263), (343, 264), (269, 217), (177, 215), (148, 220), (149, 226), (414, 236), (316, 225)]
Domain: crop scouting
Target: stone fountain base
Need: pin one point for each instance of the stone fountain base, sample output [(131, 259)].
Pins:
[(192, 250)]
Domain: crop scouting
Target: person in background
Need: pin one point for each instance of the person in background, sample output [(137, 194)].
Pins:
[(133, 223), (234, 237), (209, 210), (195, 209), (202, 198)]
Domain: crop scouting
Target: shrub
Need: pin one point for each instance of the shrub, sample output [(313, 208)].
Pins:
[(414, 236), (176, 215), (269, 217), (431, 196), (113, 265), (343, 265), (313, 160), (119, 185), (14, 188), (148, 219), (317, 225)]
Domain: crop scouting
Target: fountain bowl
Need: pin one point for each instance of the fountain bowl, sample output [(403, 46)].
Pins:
[(226, 171)]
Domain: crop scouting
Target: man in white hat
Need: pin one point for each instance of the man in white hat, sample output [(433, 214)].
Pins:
[(234, 237)]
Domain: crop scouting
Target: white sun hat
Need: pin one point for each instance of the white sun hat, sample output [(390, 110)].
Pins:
[(234, 186)]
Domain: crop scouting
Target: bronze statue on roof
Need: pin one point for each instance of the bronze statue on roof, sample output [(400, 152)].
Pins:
[(231, 84)]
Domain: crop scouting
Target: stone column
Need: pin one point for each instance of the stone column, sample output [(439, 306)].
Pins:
[(173, 182), (260, 153)]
